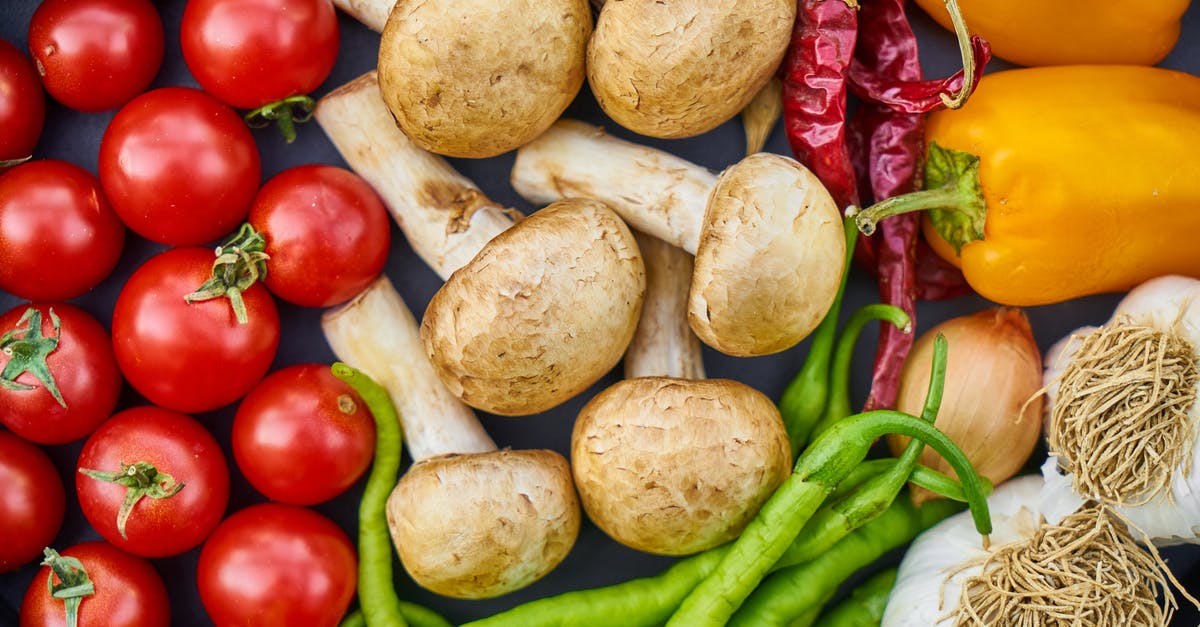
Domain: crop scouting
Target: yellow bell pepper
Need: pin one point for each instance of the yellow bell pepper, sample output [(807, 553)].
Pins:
[(1058, 182), (1063, 32)]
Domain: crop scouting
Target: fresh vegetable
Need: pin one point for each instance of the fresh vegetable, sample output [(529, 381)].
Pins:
[(59, 379), (152, 482), (1038, 203), (265, 55), (1028, 32), (94, 583), (663, 343), (179, 167), (59, 237), (762, 114), (96, 55), (753, 291), (479, 78), (273, 564), (22, 106), (991, 408), (1121, 410), (866, 604), (31, 501), (327, 234), (192, 356), (301, 436), (442, 513), (681, 69), (1052, 560)]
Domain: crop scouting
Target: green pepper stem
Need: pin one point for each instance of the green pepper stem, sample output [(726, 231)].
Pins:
[(838, 406)]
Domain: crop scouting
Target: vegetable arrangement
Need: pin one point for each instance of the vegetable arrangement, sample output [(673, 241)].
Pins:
[(627, 249)]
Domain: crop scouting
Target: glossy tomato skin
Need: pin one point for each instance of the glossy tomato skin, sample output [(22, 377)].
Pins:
[(129, 592), (190, 357), (95, 55), (174, 444), (179, 167), (327, 234), (32, 502), (274, 564), (59, 237), (302, 436), (83, 368), (249, 53), (22, 104)]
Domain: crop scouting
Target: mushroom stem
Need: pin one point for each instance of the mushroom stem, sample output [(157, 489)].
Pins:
[(655, 192), (377, 334), (444, 216), (373, 13), (664, 344)]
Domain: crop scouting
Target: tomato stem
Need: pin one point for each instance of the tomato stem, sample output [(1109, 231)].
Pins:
[(141, 479), (284, 114), (27, 350), (73, 582), (241, 261)]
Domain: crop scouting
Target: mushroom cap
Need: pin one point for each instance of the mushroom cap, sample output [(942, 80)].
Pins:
[(476, 78), (676, 466), (480, 525), (541, 313), (680, 68), (770, 259)]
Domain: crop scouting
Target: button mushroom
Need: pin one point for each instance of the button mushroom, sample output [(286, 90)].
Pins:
[(476, 78), (677, 69), (667, 463), (535, 315), (766, 234), (443, 513)]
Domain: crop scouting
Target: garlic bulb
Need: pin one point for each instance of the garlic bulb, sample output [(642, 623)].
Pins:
[(1124, 425)]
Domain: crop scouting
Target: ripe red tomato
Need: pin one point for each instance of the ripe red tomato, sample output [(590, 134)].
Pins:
[(22, 104), (327, 234), (179, 167), (164, 521), (190, 357), (273, 564), (31, 502), (81, 366), (58, 235), (249, 53), (128, 592), (302, 436), (95, 55)]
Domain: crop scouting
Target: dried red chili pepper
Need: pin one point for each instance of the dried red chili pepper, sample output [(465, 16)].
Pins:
[(814, 92)]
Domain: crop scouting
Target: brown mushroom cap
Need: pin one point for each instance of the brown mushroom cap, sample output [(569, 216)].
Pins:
[(480, 525), (541, 313), (680, 68), (770, 258), (476, 78), (674, 466)]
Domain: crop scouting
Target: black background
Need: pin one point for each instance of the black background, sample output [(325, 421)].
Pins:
[(595, 560)]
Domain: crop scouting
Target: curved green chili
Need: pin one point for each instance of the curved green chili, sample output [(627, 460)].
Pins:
[(838, 406), (866, 604), (380, 605), (922, 476)]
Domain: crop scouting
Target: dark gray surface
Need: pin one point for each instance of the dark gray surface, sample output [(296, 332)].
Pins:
[(595, 560)]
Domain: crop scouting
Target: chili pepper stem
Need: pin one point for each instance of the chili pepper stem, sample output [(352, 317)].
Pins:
[(968, 58), (838, 406)]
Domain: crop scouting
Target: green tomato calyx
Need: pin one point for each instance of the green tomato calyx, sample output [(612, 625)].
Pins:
[(141, 479), (27, 350), (73, 582), (241, 262)]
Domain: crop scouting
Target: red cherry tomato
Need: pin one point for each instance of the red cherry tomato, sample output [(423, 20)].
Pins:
[(95, 55), (179, 167), (249, 53), (179, 452), (302, 436), (327, 234), (128, 592), (22, 104), (273, 564), (31, 502), (80, 365), (190, 357), (58, 235)]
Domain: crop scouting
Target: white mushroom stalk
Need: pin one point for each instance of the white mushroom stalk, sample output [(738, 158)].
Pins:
[(1054, 560), (1121, 412), (372, 13), (663, 344), (766, 234), (442, 512)]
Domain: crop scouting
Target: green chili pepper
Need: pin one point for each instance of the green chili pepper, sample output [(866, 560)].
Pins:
[(866, 604), (838, 406)]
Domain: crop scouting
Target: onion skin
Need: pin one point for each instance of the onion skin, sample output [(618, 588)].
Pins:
[(994, 370)]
